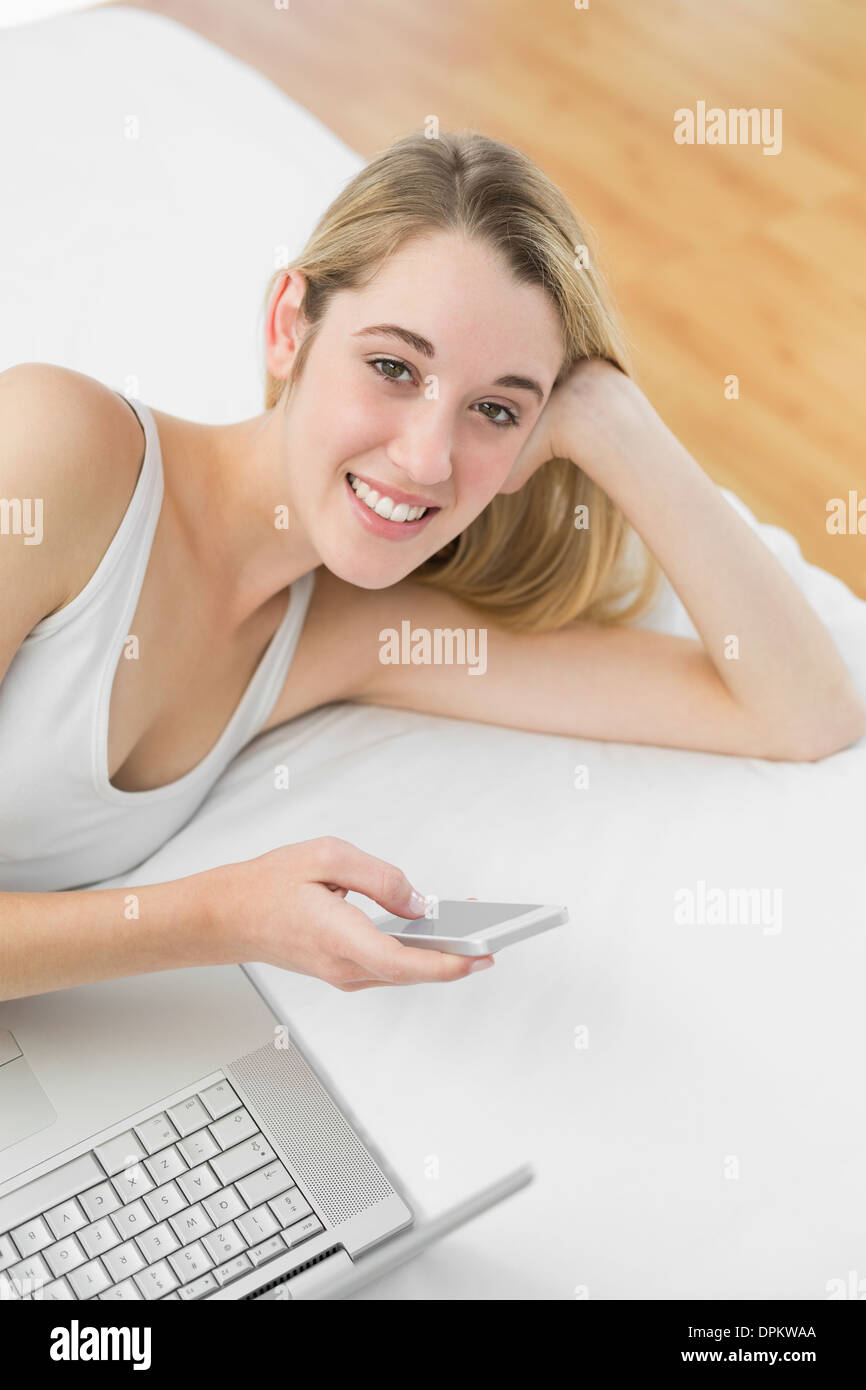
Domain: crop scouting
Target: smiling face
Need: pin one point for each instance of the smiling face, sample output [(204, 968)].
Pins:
[(420, 390)]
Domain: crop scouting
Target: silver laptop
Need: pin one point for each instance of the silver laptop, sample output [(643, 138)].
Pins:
[(164, 1136)]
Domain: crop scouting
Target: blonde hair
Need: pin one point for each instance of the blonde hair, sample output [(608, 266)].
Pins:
[(522, 561)]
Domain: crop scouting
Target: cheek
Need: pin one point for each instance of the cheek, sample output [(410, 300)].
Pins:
[(484, 468), (343, 420)]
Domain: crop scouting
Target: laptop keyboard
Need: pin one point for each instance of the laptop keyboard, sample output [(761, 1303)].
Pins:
[(178, 1205)]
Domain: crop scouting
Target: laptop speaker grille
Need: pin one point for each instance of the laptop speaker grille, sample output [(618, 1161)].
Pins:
[(320, 1146)]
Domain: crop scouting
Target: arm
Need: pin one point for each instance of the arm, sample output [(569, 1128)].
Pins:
[(53, 941), (286, 908), (788, 694)]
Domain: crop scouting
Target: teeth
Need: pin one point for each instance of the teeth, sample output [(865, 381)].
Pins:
[(385, 506)]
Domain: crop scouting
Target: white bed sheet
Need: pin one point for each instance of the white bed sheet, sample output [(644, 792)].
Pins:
[(709, 1139)]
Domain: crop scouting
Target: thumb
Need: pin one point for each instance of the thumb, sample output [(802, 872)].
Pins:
[(347, 867)]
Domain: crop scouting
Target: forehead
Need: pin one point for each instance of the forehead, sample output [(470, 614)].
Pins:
[(462, 295)]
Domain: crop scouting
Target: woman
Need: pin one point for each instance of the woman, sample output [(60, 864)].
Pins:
[(451, 436)]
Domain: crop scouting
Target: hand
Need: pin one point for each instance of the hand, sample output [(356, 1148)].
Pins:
[(287, 908), (595, 409)]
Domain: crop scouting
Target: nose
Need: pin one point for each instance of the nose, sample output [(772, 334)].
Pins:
[(422, 449)]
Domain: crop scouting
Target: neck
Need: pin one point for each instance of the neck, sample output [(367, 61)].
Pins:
[(233, 499)]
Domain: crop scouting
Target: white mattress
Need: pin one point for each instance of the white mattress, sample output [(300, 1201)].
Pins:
[(709, 1139)]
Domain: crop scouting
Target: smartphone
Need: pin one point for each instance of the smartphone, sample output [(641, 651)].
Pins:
[(471, 928)]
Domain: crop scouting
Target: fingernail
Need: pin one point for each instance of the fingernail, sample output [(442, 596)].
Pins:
[(417, 902), (483, 964)]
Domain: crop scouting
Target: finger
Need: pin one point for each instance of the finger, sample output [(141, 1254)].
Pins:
[(338, 862), (379, 954), (414, 965), (367, 984), (347, 932)]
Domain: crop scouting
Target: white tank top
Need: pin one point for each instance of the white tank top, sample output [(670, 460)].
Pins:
[(62, 823)]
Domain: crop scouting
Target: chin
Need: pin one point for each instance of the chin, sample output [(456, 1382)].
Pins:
[(364, 570)]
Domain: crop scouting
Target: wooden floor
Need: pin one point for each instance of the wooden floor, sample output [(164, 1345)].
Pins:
[(722, 259)]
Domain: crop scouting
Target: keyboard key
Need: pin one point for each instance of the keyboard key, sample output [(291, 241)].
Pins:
[(119, 1153), (8, 1253), (190, 1263), (125, 1260), (166, 1201), (125, 1291), (257, 1225), (242, 1159), (166, 1165), (233, 1128), (65, 1255), (189, 1225), (233, 1269), (268, 1250), (219, 1099), (266, 1183), (9, 1289), (99, 1201), (158, 1242), (198, 1182), (60, 1183), (198, 1288), (198, 1147), (189, 1115), (66, 1218), (290, 1207), (59, 1290), (224, 1243), (302, 1230), (89, 1280), (132, 1182), (224, 1206), (30, 1238), (132, 1220), (155, 1281), (31, 1271), (99, 1237), (156, 1132)]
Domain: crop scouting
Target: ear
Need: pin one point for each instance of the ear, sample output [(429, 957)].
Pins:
[(284, 323)]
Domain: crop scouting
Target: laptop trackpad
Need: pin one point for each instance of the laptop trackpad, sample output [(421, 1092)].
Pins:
[(24, 1106)]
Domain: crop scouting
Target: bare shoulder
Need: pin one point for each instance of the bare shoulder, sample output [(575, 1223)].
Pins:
[(70, 454), (338, 653)]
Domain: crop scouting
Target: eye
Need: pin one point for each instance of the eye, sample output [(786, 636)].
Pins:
[(381, 366), (511, 417), (389, 362)]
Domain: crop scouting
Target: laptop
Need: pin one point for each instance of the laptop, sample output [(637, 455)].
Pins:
[(164, 1136)]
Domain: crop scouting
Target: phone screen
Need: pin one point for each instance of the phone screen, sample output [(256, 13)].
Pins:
[(457, 919)]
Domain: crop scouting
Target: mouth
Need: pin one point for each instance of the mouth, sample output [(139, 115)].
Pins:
[(392, 518)]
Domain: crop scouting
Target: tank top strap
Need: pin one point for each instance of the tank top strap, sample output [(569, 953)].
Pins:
[(270, 677)]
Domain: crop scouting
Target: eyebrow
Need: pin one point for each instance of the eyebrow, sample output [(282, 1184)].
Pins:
[(426, 348)]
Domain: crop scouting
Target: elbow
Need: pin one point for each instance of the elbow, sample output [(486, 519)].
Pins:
[(836, 733)]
